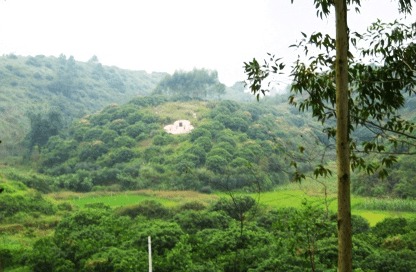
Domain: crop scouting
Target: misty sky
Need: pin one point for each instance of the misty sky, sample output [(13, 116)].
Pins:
[(167, 35)]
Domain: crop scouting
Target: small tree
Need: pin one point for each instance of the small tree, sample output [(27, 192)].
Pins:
[(42, 127), (198, 83)]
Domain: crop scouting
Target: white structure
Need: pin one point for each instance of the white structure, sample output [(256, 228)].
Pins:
[(149, 245), (179, 127)]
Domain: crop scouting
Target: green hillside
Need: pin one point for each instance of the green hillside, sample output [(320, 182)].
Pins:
[(232, 146), (108, 126), (40, 84)]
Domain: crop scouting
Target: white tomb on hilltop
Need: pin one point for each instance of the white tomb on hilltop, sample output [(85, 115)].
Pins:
[(179, 127)]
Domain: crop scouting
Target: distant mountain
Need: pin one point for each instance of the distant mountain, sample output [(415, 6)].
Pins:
[(38, 84)]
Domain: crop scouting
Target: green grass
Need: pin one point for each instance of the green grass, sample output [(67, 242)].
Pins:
[(373, 214), (283, 197), (114, 200), (373, 210), (387, 204)]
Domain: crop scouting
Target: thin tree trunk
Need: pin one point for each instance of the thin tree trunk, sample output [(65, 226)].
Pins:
[(342, 139)]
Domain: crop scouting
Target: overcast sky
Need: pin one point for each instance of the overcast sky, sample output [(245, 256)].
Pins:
[(168, 35)]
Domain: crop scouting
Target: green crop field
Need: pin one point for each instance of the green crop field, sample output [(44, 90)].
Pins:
[(372, 209), (360, 206), (120, 199)]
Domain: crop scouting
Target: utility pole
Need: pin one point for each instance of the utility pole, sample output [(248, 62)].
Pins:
[(149, 242)]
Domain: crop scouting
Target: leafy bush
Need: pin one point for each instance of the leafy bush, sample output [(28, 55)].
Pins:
[(165, 235), (193, 205), (30, 202), (119, 155), (192, 221), (200, 132), (235, 207), (359, 224), (390, 227), (386, 261), (42, 183), (216, 163), (149, 208)]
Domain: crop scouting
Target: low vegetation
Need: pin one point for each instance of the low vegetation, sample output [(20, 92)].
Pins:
[(248, 232)]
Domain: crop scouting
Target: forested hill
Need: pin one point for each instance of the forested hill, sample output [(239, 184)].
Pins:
[(32, 85), (232, 146), (107, 130)]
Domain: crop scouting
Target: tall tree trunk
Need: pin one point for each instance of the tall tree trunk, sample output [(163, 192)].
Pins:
[(342, 140)]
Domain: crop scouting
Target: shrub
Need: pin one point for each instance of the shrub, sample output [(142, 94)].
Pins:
[(216, 163), (136, 129), (200, 132), (236, 207), (119, 155), (204, 142), (192, 205), (124, 141), (390, 227), (193, 221), (30, 202), (206, 190), (359, 224), (149, 208)]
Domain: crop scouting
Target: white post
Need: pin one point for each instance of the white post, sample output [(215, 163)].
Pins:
[(149, 242)]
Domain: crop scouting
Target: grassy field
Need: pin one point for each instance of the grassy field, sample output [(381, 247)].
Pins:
[(119, 199), (293, 198), (374, 210)]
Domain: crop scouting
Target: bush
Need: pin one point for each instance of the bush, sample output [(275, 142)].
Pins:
[(149, 208), (92, 150), (390, 227), (193, 205), (204, 142), (235, 207), (165, 235), (386, 261), (206, 190), (193, 221), (216, 163), (28, 203), (200, 132), (41, 183), (359, 224), (119, 155), (124, 141)]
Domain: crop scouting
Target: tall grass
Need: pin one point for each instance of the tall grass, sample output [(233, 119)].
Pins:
[(119, 199), (386, 204)]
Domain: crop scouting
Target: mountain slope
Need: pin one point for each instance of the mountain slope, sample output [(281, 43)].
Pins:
[(38, 84), (233, 145)]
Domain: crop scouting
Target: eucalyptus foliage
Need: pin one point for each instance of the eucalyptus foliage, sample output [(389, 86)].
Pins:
[(382, 72)]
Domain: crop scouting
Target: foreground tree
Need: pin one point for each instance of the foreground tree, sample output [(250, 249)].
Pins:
[(366, 93), (342, 139)]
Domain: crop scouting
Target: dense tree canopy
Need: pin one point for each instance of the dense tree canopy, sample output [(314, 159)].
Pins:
[(198, 238), (42, 127), (126, 146), (73, 88), (198, 83)]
